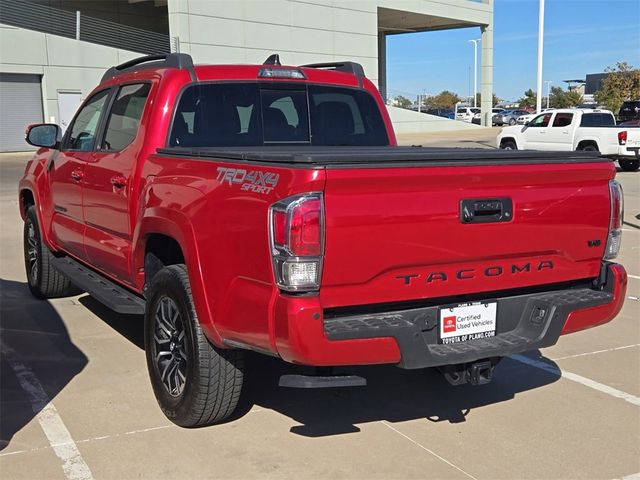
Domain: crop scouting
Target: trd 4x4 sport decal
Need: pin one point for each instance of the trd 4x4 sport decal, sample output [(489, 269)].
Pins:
[(252, 181)]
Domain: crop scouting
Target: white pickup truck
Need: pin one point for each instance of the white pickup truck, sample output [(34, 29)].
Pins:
[(576, 129)]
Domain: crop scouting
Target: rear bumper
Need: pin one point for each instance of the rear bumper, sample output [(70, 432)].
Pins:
[(408, 338)]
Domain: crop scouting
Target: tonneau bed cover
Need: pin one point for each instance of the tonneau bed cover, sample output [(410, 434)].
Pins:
[(342, 155)]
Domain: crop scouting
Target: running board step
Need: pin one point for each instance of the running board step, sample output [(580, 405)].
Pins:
[(316, 381), (99, 287)]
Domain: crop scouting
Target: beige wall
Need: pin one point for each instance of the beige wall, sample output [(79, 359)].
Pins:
[(64, 63), (301, 32)]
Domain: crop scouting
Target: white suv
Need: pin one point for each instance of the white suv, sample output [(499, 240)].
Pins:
[(466, 113)]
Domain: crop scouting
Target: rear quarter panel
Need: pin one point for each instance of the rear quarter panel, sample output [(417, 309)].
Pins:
[(223, 230)]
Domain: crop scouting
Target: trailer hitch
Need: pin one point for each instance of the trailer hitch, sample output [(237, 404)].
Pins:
[(475, 373)]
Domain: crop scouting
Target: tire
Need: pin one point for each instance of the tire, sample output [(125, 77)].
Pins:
[(43, 279), (195, 383), (629, 165), (508, 145), (512, 121), (590, 148)]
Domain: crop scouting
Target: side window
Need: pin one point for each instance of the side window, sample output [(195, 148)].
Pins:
[(83, 131), (541, 120), (124, 117), (563, 119)]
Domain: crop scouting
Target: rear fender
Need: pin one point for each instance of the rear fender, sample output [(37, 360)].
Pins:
[(176, 225)]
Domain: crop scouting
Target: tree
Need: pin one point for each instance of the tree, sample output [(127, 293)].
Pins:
[(529, 99), (495, 100), (402, 102), (444, 99), (622, 83), (560, 98)]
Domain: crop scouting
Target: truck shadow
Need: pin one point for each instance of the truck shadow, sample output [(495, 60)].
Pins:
[(33, 335), (392, 394)]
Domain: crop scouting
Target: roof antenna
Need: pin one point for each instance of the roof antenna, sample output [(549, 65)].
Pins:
[(273, 60)]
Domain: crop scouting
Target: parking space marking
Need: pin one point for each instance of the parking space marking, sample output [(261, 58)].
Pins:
[(386, 424), (596, 351), (627, 397), (633, 276), (73, 465)]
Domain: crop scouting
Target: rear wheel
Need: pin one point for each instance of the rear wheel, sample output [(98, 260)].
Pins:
[(195, 383), (629, 165), (508, 145), (43, 279), (590, 147)]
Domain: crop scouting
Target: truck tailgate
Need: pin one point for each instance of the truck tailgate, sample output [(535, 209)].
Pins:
[(396, 233)]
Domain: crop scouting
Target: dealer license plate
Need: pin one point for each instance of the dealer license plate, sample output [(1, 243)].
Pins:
[(467, 321)]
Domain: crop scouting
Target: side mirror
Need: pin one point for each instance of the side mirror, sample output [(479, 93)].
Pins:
[(526, 124), (43, 135)]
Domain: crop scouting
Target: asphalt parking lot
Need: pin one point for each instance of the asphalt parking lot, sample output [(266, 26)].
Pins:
[(76, 401)]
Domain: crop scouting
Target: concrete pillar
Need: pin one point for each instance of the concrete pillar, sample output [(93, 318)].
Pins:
[(382, 64), (486, 72)]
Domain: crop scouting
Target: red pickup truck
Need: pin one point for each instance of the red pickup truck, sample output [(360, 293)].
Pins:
[(268, 208)]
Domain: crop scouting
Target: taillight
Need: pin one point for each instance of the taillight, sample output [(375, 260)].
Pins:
[(296, 227), (615, 221), (622, 137)]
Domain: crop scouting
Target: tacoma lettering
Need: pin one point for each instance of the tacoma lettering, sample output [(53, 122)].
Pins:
[(470, 273)]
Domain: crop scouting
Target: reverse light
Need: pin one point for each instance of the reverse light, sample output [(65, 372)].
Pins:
[(296, 231), (276, 72), (615, 222), (622, 137)]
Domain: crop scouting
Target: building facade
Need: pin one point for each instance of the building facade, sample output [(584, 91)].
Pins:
[(60, 49)]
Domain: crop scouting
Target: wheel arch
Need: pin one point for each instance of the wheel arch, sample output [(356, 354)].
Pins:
[(164, 238), (509, 139), (586, 142)]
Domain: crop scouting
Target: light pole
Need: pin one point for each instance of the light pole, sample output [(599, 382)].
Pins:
[(475, 69), (540, 47), (548, 82)]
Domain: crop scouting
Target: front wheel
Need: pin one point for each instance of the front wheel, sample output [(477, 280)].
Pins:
[(512, 122), (194, 382), (43, 279), (508, 145), (629, 165)]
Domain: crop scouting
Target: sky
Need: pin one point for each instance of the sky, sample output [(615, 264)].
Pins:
[(581, 36)]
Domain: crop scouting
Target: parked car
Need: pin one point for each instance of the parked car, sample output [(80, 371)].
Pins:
[(629, 110), (576, 129), (441, 112), (268, 208), (630, 123), (523, 119), (477, 118), (466, 113), (508, 117)]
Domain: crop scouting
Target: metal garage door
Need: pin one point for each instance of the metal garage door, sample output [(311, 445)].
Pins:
[(20, 105)]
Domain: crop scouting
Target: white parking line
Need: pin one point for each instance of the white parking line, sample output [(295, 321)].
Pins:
[(596, 351), (427, 450), (633, 276), (578, 379), (73, 465)]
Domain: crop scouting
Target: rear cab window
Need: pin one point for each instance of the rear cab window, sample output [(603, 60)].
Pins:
[(251, 114)]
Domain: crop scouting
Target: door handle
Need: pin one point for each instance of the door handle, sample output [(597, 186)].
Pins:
[(118, 181), (77, 175)]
